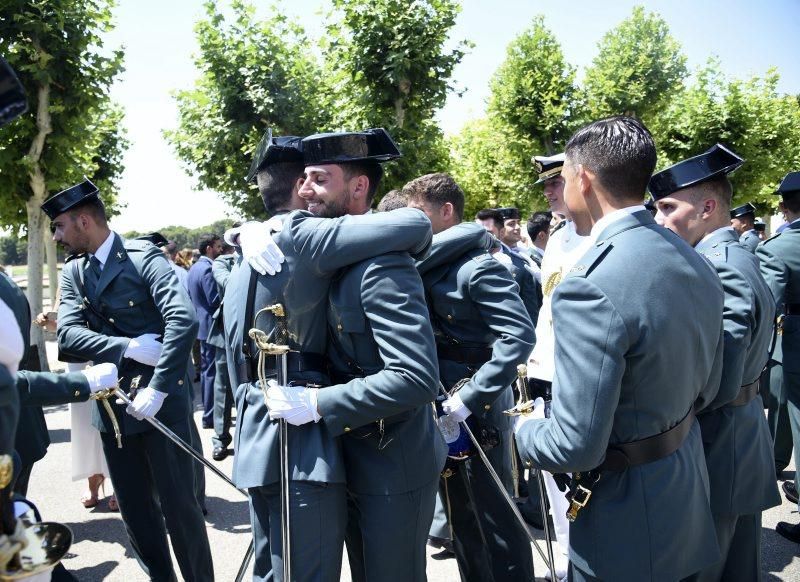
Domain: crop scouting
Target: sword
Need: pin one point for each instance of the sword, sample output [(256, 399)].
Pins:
[(498, 482)]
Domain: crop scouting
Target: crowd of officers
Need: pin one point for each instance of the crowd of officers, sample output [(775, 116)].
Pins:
[(650, 349)]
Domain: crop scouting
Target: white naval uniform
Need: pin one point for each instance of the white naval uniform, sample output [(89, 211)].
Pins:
[(563, 250)]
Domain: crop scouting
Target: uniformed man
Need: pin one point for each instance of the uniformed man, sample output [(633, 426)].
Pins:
[(743, 221), (761, 230), (564, 248), (314, 249), (115, 302), (482, 334), (538, 228), (622, 418), (693, 199), (384, 376), (780, 267)]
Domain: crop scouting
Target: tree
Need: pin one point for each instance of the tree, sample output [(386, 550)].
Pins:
[(56, 49), (638, 69), (255, 75)]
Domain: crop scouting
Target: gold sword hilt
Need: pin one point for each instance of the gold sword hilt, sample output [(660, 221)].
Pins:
[(102, 396), (524, 405)]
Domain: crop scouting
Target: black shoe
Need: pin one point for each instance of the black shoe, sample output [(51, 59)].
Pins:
[(789, 531), (219, 453), (790, 491)]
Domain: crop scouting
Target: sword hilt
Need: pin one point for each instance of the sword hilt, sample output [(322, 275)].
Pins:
[(102, 396)]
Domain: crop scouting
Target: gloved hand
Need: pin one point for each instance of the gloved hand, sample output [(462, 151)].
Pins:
[(456, 409), (10, 545), (536, 414), (12, 347), (259, 249), (147, 403), (101, 376), (296, 404), (144, 349)]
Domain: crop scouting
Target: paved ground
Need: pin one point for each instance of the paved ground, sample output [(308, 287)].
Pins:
[(101, 550)]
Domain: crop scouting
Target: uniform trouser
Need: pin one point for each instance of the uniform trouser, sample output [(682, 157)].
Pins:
[(207, 373), (791, 383), (199, 470), (440, 527), (778, 417), (223, 401), (739, 539), (386, 534), (154, 481), (489, 542), (318, 514)]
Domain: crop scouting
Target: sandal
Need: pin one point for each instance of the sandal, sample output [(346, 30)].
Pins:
[(112, 503), (91, 498)]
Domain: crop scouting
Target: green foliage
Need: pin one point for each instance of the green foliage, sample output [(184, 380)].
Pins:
[(639, 66), (56, 49), (381, 64), (188, 237)]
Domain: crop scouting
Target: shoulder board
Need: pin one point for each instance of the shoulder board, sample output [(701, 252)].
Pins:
[(592, 258), (137, 245), (480, 258), (74, 256), (773, 237), (716, 254)]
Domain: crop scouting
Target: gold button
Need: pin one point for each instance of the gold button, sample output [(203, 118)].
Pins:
[(130, 302), (339, 327), (111, 319), (77, 393), (487, 406), (449, 317), (528, 463), (180, 382), (347, 429)]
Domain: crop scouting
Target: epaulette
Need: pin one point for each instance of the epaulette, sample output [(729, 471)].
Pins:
[(483, 257), (74, 256), (137, 245), (717, 253), (590, 259)]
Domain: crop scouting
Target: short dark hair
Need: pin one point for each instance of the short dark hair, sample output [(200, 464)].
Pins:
[(620, 151), (492, 214), (392, 200), (538, 222), (791, 202), (172, 248), (93, 206), (206, 240), (719, 188), (372, 170), (437, 189), (276, 184)]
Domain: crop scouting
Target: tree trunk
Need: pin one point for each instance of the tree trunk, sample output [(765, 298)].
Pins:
[(52, 263), (36, 218)]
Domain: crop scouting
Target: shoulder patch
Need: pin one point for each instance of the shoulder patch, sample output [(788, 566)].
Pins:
[(590, 260)]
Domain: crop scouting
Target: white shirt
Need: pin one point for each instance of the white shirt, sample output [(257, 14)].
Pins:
[(104, 250)]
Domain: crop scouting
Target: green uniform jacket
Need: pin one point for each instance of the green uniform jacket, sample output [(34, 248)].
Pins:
[(736, 439), (638, 341), (750, 240)]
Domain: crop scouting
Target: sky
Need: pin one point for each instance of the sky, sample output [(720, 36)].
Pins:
[(158, 38)]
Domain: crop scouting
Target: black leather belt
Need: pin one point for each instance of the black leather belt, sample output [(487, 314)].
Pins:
[(791, 308), (746, 394), (472, 356), (295, 362), (620, 457)]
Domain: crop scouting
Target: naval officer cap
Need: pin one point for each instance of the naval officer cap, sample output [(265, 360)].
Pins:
[(12, 95), (509, 213), (274, 150), (548, 167), (790, 185), (70, 198), (371, 145), (715, 162), (743, 210), (156, 238)]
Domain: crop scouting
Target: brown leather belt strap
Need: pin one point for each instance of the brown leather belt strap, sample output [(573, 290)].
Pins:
[(746, 394), (791, 308), (621, 456), (473, 356)]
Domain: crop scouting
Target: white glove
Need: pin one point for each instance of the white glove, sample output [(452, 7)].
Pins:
[(145, 349), (10, 545), (147, 403), (296, 404), (101, 376), (259, 249), (12, 347), (536, 414), (457, 410)]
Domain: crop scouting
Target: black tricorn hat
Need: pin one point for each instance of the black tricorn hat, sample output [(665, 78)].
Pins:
[(743, 210), (790, 184), (374, 145), (69, 198), (12, 95), (272, 150), (509, 213), (759, 226), (156, 238), (548, 167), (714, 162)]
